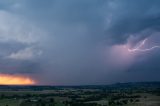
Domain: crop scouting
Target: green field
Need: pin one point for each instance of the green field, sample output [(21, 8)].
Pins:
[(115, 95), (144, 100)]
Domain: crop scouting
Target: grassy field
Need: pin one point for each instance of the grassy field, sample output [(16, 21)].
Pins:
[(147, 100), (9, 102), (115, 95)]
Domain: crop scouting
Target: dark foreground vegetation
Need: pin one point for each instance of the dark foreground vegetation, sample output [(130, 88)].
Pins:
[(120, 94)]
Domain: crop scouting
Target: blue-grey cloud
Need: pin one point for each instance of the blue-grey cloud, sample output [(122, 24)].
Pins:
[(69, 42)]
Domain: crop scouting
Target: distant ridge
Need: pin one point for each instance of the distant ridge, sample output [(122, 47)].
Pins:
[(155, 84)]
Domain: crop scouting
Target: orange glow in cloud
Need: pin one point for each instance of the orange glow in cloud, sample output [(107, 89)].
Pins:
[(7, 79)]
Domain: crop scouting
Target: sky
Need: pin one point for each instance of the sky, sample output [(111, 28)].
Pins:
[(79, 42)]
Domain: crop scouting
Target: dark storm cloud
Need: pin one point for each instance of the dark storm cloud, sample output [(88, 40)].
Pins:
[(62, 42), (132, 17)]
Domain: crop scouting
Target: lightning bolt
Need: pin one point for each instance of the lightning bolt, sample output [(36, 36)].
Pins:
[(138, 48)]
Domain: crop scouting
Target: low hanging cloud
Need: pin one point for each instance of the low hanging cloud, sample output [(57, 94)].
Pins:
[(15, 29), (79, 42), (25, 54)]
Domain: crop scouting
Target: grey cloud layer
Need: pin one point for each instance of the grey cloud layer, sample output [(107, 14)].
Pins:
[(68, 49)]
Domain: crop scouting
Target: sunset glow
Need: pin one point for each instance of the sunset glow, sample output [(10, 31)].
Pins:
[(7, 79)]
